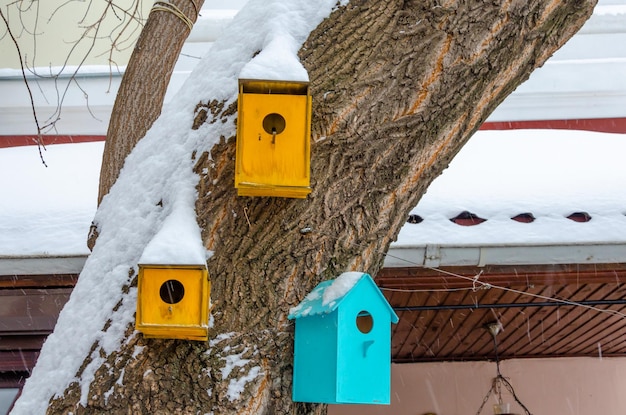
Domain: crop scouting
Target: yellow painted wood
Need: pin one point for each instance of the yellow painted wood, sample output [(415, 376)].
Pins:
[(267, 163), (261, 86), (175, 316)]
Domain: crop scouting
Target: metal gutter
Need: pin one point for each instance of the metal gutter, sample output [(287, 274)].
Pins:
[(433, 256), (429, 256), (41, 265)]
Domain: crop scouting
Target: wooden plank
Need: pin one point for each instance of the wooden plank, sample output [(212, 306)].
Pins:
[(31, 310), (18, 360), (38, 281), (13, 379), (407, 331), (528, 332), (461, 277), (22, 342)]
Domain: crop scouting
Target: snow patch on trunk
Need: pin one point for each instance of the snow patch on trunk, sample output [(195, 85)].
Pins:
[(237, 386), (232, 362)]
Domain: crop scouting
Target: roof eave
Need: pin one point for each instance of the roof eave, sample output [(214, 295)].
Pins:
[(42, 264), (434, 255)]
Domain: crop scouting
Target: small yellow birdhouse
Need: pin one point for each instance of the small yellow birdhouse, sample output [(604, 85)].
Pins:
[(273, 139), (173, 301)]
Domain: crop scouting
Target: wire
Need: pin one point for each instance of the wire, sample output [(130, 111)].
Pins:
[(477, 284), (435, 290), (500, 378), (496, 387), (539, 296)]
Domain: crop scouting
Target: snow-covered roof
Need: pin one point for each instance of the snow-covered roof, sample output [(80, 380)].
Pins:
[(45, 212), (550, 174), (567, 185)]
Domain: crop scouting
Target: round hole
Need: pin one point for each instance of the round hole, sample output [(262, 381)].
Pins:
[(172, 291), (364, 322), (274, 123)]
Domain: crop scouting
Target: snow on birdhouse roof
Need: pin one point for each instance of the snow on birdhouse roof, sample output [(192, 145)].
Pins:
[(327, 296), (280, 35), (178, 242)]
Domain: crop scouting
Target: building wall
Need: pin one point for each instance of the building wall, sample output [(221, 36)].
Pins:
[(565, 386), (47, 32), (583, 80)]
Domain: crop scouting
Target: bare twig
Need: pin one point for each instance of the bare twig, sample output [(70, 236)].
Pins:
[(121, 36), (40, 144)]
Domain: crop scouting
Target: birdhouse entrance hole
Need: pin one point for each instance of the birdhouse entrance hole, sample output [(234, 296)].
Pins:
[(364, 322), (274, 123), (172, 291)]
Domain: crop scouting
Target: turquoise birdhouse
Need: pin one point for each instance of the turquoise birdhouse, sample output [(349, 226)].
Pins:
[(343, 343)]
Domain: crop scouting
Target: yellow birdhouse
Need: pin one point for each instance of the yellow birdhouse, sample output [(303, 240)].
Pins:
[(173, 301), (273, 139)]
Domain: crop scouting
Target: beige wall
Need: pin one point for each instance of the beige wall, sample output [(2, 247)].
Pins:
[(48, 30), (567, 386)]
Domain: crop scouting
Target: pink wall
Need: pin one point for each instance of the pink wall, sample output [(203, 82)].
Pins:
[(565, 386)]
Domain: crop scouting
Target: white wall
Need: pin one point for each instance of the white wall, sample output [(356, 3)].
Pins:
[(6, 399), (582, 80), (87, 99), (563, 386), (48, 31)]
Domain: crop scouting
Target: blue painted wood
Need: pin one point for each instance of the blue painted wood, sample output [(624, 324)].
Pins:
[(313, 356), (335, 361)]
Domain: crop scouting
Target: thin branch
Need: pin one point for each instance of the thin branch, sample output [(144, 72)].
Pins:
[(121, 37), (40, 144), (124, 33)]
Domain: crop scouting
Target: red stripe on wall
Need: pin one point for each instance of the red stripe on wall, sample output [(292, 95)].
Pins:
[(605, 125), (31, 140)]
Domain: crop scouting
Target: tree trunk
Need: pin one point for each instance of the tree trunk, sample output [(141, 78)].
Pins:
[(398, 87), (140, 97)]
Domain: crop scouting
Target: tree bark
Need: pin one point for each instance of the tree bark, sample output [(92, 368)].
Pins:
[(140, 97), (398, 87)]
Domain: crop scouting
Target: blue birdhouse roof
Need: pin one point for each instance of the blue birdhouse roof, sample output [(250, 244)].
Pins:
[(327, 296)]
